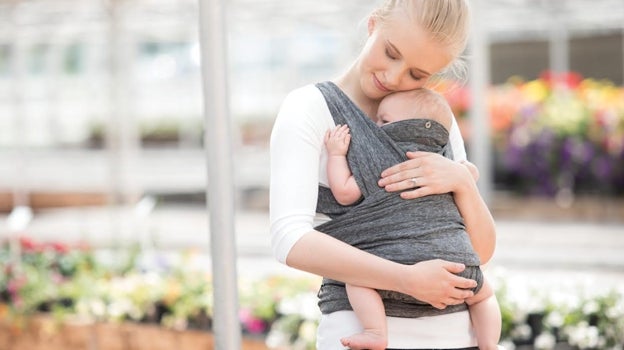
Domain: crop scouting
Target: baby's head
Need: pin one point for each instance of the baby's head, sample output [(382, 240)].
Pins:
[(419, 103)]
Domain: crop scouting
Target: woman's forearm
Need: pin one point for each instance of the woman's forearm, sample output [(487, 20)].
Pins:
[(477, 219), (326, 256), (433, 281)]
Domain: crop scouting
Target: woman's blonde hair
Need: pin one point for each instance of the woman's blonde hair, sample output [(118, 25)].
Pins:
[(447, 21)]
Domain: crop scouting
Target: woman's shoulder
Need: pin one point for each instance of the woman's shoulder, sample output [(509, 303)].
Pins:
[(305, 102), (307, 94)]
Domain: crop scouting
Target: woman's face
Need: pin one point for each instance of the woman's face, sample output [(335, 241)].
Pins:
[(398, 56)]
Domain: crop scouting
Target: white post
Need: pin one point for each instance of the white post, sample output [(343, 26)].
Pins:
[(21, 214), (480, 139), (21, 152), (558, 46), (54, 66), (220, 191), (122, 140)]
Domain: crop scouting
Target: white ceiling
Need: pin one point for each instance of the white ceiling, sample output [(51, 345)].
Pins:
[(503, 19)]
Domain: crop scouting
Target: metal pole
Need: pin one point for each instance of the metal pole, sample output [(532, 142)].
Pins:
[(480, 142), (220, 192)]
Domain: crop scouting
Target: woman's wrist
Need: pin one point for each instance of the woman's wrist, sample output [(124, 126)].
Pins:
[(474, 171), (403, 282), (466, 182)]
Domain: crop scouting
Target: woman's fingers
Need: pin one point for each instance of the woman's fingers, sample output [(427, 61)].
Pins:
[(401, 180), (440, 306), (453, 301), (395, 171), (460, 287), (433, 174), (444, 287), (416, 193), (402, 172)]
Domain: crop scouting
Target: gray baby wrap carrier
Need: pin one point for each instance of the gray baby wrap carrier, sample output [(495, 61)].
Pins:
[(384, 224)]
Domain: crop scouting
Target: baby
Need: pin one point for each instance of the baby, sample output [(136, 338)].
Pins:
[(431, 107)]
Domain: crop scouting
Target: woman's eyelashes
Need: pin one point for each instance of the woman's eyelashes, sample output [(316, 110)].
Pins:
[(393, 56), (415, 77)]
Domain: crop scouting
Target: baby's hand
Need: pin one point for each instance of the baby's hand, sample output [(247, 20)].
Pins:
[(337, 140)]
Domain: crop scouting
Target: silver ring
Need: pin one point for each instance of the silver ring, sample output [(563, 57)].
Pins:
[(414, 181)]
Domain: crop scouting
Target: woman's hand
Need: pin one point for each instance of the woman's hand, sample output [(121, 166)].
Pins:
[(435, 282), (425, 173)]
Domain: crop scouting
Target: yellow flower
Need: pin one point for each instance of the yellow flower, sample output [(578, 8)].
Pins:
[(172, 293), (535, 90)]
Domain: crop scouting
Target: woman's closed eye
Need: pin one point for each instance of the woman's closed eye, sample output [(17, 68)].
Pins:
[(415, 76), (391, 55)]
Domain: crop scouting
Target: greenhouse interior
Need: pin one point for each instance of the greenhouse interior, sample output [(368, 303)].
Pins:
[(112, 126)]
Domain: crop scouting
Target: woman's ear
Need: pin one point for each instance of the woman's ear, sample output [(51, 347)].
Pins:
[(372, 21)]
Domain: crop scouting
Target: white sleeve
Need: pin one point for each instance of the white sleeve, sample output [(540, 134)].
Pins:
[(457, 142), (297, 140)]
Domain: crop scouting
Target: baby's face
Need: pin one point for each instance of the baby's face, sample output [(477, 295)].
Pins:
[(394, 108)]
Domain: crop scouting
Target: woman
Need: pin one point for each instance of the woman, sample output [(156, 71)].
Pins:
[(408, 42)]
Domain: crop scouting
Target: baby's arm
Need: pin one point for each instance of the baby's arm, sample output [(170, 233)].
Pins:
[(341, 181)]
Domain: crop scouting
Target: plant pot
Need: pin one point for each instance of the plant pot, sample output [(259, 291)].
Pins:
[(42, 332)]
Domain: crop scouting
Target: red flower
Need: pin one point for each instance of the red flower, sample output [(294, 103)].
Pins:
[(28, 245), (570, 80), (59, 247)]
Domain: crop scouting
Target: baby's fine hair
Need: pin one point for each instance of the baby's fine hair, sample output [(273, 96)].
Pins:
[(447, 21), (429, 103)]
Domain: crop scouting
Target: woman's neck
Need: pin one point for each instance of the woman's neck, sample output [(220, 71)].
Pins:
[(349, 83)]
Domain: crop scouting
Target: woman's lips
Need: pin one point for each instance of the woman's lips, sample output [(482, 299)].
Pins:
[(379, 85)]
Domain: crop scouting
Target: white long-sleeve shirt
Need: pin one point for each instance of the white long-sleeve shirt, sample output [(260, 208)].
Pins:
[(298, 166)]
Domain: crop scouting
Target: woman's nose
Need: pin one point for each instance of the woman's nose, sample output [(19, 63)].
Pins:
[(393, 78)]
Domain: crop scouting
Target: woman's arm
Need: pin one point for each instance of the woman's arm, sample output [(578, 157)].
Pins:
[(436, 174), (432, 281)]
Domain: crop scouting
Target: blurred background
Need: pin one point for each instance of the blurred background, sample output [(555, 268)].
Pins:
[(103, 163)]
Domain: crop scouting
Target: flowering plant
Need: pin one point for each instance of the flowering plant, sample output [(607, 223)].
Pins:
[(73, 280), (556, 134), (35, 276), (567, 137), (77, 281), (579, 317)]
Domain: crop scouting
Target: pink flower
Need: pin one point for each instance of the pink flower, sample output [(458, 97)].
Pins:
[(251, 323)]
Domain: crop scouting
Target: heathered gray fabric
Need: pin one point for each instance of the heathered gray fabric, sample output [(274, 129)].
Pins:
[(384, 224)]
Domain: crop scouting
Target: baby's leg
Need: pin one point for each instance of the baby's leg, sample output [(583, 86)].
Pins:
[(486, 317), (369, 309)]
